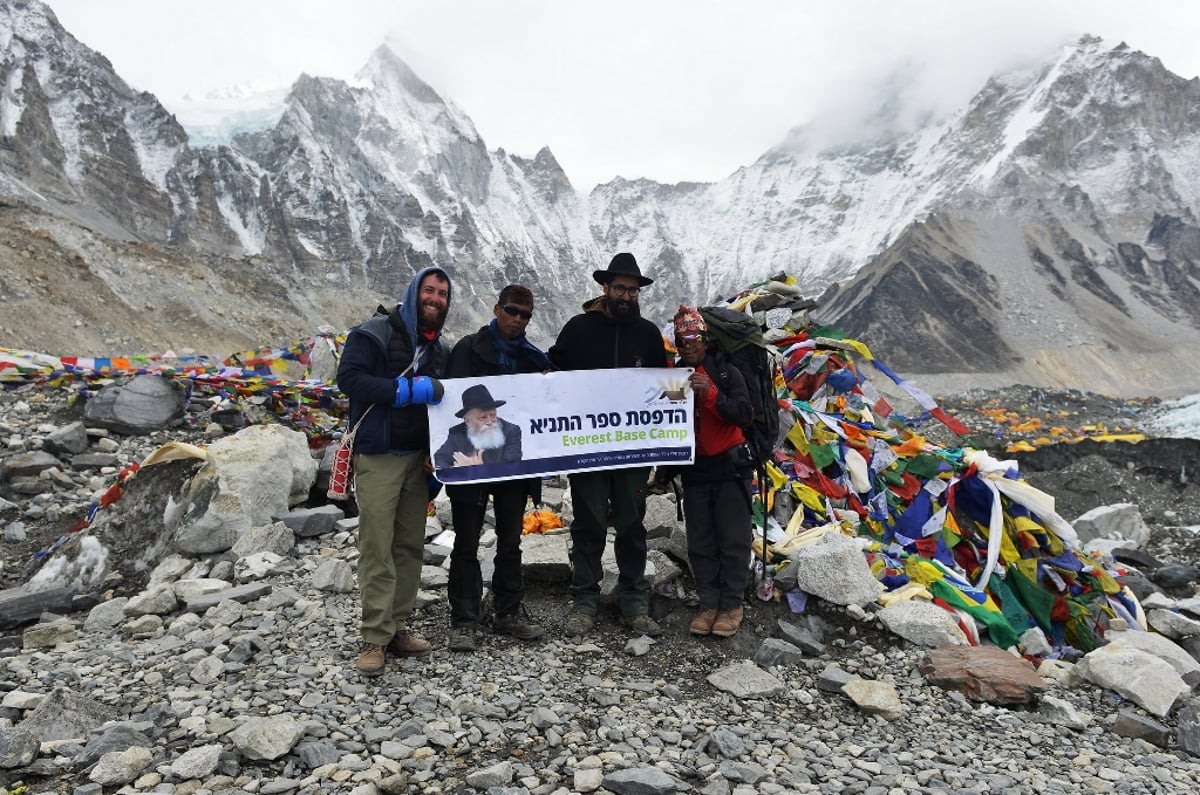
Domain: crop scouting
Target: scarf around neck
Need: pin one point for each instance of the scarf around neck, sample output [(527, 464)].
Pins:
[(510, 354)]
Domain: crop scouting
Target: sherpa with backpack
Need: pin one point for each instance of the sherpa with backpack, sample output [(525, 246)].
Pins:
[(737, 338), (739, 341)]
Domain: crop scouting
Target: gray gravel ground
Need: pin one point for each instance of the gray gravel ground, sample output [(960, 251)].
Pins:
[(560, 717)]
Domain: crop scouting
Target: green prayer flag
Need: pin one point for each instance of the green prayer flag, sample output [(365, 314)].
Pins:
[(1014, 612), (924, 466), (823, 454), (997, 626), (1037, 600)]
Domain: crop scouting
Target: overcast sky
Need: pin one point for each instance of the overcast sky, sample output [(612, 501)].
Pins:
[(671, 90)]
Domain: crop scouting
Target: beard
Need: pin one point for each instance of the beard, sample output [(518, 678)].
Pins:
[(623, 309), (488, 439), (431, 317)]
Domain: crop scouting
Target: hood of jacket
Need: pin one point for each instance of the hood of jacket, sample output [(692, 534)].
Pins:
[(409, 304), (597, 304)]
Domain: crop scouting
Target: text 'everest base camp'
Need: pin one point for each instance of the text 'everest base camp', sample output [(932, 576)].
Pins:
[(976, 535)]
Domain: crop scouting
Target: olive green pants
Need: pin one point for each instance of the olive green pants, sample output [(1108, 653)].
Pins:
[(594, 494), (393, 494)]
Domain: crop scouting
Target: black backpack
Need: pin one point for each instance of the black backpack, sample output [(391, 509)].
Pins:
[(741, 342)]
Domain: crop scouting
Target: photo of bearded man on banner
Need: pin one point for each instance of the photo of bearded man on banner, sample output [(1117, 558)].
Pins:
[(482, 437)]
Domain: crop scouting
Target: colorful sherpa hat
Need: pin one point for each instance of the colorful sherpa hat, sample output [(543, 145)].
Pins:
[(689, 323)]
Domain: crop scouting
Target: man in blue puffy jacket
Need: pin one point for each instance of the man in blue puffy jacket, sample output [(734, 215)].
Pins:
[(390, 369)]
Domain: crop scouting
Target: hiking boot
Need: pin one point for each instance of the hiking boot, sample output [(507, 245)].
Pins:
[(702, 624), (519, 625), (407, 644), (728, 622), (371, 659), (643, 624), (578, 625), (462, 638)]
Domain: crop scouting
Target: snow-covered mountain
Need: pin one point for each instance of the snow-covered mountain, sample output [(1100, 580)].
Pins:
[(1049, 229), (356, 184), (1060, 241)]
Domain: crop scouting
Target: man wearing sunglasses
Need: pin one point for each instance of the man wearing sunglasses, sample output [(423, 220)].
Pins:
[(610, 332), (499, 348)]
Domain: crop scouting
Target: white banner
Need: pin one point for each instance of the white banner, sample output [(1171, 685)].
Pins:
[(516, 426)]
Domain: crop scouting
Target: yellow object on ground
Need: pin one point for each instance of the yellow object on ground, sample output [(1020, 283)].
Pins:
[(805, 538), (540, 521), (174, 451), (1132, 438), (910, 590)]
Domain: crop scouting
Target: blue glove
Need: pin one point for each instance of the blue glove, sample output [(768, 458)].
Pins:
[(426, 389), (403, 392), (420, 390)]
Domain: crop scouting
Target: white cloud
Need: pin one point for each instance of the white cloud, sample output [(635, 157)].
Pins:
[(671, 90)]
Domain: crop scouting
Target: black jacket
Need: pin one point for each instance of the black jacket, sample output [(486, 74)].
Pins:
[(733, 406), (595, 340), (475, 355)]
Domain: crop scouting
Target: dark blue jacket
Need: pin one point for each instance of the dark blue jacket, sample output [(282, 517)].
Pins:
[(364, 375)]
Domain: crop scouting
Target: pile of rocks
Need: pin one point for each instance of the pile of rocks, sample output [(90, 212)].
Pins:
[(220, 657)]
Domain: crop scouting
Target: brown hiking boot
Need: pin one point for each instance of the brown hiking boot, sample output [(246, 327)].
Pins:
[(643, 625), (702, 624), (728, 622), (578, 625), (407, 644), (518, 624), (462, 638), (371, 659)]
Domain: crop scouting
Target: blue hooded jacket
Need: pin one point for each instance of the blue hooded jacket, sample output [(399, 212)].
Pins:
[(365, 373)]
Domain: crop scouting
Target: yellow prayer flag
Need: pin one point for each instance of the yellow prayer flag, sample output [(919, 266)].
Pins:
[(809, 496), (798, 439), (778, 478)]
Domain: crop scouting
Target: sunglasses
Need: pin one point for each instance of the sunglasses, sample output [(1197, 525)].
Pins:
[(512, 311)]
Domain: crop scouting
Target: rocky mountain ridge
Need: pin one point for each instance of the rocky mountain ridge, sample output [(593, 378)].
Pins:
[(1052, 223)]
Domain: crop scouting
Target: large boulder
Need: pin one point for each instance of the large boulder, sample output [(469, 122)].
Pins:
[(1121, 522), (923, 623), (836, 570), (247, 479), (144, 404), (1145, 679), (983, 673), (64, 714)]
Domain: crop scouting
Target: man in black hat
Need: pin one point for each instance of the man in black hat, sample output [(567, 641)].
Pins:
[(499, 348), (482, 437), (610, 333)]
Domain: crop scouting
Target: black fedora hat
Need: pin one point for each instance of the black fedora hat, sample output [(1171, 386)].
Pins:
[(623, 264), (478, 397)]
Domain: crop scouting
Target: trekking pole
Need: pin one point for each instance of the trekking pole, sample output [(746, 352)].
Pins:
[(766, 584)]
